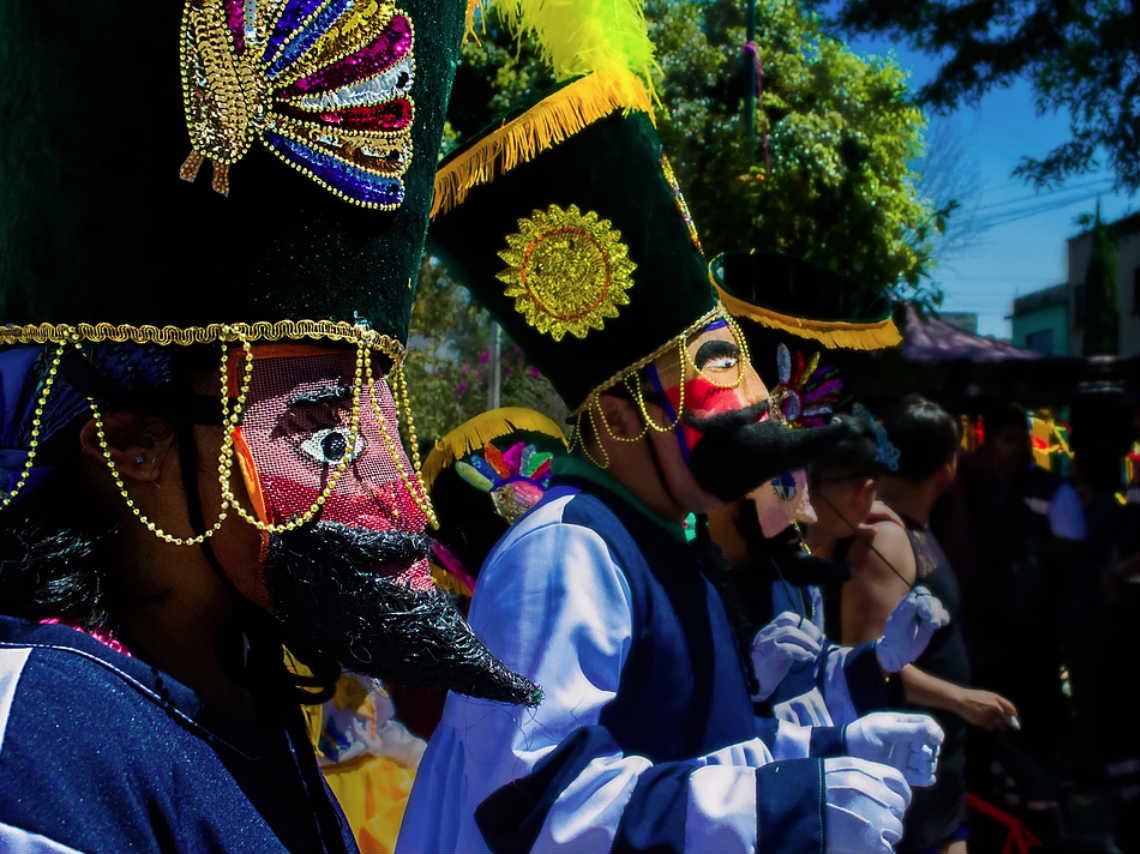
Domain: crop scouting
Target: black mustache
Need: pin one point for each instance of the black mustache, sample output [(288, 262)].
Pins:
[(334, 597), (730, 420), (736, 453), (781, 556)]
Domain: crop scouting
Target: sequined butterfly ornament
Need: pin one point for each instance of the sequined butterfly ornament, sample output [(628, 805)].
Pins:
[(516, 479), (807, 392), (323, 84)]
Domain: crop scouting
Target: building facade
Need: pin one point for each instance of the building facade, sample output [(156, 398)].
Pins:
[(1126, 233), (1040, 321)]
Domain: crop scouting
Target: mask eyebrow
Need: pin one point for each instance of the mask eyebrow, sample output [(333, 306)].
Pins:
[(714, 349), (331, 393), (310, 412)]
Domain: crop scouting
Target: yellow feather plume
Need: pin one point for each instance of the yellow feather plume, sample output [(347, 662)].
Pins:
[(578, 37)]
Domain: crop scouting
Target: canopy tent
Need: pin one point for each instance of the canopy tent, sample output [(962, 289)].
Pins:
[(929, 339), (967, 373)]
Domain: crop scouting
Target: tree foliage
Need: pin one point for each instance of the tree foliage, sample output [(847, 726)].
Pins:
[(1081, 57), (449, 360), (827, 175)]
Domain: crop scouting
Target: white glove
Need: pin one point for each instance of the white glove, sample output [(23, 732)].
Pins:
[(788, 641), (907, 742), (909, 628), (864, 802)]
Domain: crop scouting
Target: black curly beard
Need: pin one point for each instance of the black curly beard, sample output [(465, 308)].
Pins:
[(737, 452), (336, 599)]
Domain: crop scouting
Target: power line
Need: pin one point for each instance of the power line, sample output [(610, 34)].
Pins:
[(1037, 197), (1005, 217)]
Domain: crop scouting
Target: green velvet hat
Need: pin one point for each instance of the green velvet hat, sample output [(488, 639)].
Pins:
[(789, 311), (204, 173), (219, 162), (778, 292), (566, 223)]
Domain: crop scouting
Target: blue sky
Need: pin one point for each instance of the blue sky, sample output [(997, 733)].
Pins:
[(1022, 254)]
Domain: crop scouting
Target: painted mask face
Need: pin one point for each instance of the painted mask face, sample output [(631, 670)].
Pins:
[(718, 379), (296, 429), (349, 586), (782, 501), (725, 432)]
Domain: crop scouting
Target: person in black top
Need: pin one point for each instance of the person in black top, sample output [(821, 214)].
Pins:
[(900, 553)]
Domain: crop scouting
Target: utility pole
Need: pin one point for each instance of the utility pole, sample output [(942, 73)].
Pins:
[(495, 368), (750, 95)]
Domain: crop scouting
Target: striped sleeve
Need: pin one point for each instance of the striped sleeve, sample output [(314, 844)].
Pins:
[(555, 606)]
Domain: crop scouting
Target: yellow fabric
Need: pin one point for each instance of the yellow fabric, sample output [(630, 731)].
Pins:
[(551, 121), (845, 334), (474, 433), (373, 792), (1048, 439)]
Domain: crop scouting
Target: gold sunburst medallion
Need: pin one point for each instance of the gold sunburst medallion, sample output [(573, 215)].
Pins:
[(567, 271)]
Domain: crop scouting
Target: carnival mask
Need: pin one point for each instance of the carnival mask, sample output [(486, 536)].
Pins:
[(782, 502), (350, 582), (297, 432), (710, 376), (725, 431)]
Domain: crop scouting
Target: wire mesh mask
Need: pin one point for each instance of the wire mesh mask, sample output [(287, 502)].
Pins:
[(296, 428)]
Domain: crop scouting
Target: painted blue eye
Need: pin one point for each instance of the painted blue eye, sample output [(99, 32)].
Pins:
[(785, 486), (329, 447)]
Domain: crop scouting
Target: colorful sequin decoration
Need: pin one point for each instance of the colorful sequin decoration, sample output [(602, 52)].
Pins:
[(682, 205), (807, 392), (324, 84), (516, 479), (567, 271)]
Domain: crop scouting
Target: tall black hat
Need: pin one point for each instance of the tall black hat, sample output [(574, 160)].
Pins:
[(789, 311), (319, 123), (566, 222), (483, 476), (322, 121), (789, 295)]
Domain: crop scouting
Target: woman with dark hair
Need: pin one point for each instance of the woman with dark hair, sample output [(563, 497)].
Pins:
[(892, 553)]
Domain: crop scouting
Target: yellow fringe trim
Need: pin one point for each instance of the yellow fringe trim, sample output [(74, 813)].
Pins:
[(551, 121), (449, 583), (475, 433), (833, 334)]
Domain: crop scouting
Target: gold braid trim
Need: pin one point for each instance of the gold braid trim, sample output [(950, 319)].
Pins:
[(163, 336), (548, 123), (845, 334), (703, 321)]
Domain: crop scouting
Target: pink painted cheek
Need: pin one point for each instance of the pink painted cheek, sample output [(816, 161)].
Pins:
[(378, 507), (702, 398)]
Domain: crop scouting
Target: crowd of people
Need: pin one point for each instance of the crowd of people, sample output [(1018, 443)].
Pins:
[(724, 608)]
